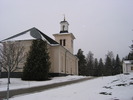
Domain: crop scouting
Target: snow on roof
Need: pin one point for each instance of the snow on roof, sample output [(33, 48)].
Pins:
[(128, 61), (26, 36), (30, 34)]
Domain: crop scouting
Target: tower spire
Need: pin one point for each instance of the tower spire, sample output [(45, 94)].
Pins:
[(64, 17), (64, 25)]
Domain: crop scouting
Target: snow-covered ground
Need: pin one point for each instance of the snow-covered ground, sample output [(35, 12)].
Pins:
[(119, 87), (17, 83)]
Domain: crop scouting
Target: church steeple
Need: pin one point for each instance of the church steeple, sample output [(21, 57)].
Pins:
[(64, 18), (64, 26), (66, 39)]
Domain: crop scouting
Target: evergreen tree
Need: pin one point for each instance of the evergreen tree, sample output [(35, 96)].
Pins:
[(96, 70), (82, 63), (108, 66), (113, 66), (90, 63), (101, 69), (130, 55), (37, 64), (118, 66)]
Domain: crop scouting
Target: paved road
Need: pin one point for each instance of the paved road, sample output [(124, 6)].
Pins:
[(40, 88)]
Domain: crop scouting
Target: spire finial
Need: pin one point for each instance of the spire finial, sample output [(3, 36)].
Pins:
[(64, 17)]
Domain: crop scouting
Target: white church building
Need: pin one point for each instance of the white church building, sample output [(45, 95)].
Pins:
[(63, 61)]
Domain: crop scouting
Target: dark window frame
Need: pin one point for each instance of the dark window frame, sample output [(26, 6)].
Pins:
[(60, 41), (64, 42)]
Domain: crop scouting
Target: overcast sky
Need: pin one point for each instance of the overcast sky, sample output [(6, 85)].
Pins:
[(98, 25)]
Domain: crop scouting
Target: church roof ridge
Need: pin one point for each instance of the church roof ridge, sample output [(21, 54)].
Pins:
[(35, 34)]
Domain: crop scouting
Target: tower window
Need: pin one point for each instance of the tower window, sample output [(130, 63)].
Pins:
[(64, 42), (60, 41), (63, 27)]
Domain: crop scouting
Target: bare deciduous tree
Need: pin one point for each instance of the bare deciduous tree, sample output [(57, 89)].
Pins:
[(11, 55)]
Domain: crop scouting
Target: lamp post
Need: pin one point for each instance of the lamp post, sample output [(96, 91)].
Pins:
[(8, 83), (8, 87), (9, 66)]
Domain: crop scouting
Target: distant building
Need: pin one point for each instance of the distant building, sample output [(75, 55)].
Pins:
[(127, 66), (63, 61)]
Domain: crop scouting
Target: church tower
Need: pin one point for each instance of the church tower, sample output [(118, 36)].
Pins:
[(65, 38)]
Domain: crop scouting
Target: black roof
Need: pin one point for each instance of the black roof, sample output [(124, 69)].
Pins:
[(35, 33), (63, 21)]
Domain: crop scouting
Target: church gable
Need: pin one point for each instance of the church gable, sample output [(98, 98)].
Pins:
[(31, 34)]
